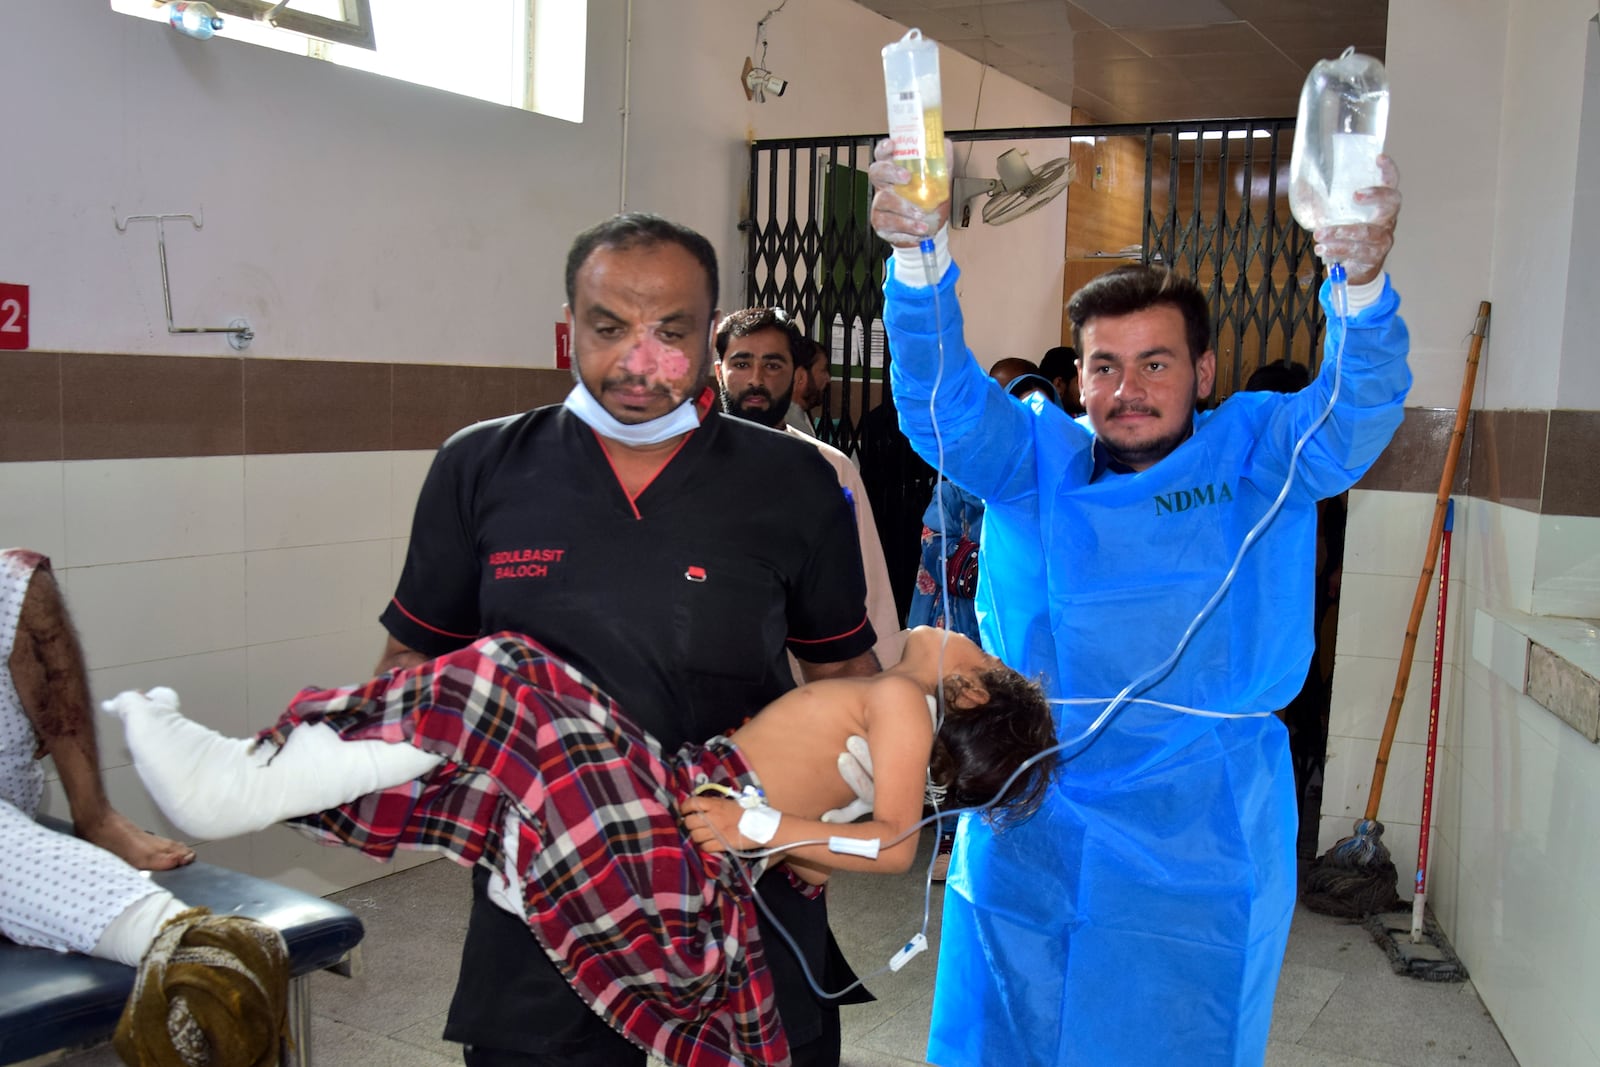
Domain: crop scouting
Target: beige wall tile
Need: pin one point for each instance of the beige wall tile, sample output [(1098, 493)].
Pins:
[(1364, 686), (126, 793), (324, 589), (1499, 547), (1566, 576), (279, 670), (133, 510), (1387, 532), (397, 562), (33, 512), (407, 472), (1373, 612), (133, 612), (291, 858), (314, 498)]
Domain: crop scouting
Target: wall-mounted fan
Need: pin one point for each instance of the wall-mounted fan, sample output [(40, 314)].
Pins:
[(1017, 191)]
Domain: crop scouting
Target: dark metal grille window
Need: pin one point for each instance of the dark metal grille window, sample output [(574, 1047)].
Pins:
[(1215, 208)]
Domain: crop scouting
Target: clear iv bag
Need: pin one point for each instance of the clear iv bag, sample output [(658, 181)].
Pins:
[(1338, 136), (916, 118)]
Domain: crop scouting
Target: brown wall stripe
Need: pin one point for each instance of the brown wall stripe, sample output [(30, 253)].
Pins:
[(1572, 471), (305, 406), (62, 405), (1414, 460), (30, 406), (56, 406), (1509, 460), (133, 407)]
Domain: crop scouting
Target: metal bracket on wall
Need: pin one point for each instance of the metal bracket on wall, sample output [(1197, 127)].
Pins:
[(239, 333)]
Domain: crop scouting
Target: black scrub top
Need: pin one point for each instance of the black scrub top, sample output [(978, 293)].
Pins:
[(679, 603)]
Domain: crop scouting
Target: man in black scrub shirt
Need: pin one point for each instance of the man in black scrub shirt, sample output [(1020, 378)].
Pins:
[(648, 539)]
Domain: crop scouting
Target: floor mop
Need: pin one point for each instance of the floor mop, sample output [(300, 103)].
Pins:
[(1423, 951), (1356, 877)]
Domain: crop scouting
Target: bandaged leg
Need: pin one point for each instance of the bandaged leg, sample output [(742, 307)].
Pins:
[(131, 934), (212, 786)]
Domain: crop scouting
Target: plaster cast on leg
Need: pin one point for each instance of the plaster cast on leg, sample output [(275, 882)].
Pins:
[(130, 934), (212, 786)]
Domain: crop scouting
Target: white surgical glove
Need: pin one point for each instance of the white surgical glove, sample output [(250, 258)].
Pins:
[(855, 767)]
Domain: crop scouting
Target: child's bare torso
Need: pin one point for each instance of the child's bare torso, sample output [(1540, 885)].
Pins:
[(794, 743)]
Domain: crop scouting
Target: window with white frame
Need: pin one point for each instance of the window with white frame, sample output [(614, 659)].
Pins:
[(521, 53)]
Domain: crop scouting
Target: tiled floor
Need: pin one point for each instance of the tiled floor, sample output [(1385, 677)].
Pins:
[(1339, 1004)]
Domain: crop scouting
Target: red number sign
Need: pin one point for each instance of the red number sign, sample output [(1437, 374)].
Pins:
[(13, 316), (563, 346)]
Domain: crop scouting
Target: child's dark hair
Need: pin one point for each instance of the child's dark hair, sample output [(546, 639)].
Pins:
[(979, 748)]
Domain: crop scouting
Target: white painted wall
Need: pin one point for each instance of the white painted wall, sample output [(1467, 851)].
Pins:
[(1579, 382), (1489, 113), (1545, 45), (1445, 78), (347, 216)]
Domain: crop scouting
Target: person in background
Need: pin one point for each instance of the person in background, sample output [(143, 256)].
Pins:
[(758, 378), (1060, 365), (1007, 370), (812, 377)]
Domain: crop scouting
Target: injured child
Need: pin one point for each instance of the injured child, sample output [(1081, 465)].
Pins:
[(502, 754)]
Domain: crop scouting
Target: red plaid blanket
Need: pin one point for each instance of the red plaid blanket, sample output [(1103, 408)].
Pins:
[(658, 937)]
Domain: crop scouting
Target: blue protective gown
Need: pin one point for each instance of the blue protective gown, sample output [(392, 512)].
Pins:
[(1141, 916)]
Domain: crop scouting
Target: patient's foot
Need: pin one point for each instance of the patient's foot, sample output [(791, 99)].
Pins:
[(117, 834)]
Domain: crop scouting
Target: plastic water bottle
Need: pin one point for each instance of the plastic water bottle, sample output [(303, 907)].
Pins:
[(1338, 136), (196, 19), (916, 118)]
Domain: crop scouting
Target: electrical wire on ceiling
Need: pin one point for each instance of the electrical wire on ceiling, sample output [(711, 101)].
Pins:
[(761, 34)]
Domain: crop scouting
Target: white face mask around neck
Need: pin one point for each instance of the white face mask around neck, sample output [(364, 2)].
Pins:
[(680, 420)]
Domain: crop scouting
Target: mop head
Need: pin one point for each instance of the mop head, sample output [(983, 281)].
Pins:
[(1431, 959), (1355, 878)]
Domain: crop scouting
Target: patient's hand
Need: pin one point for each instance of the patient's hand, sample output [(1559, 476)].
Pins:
[(713, 823), (855, 767)]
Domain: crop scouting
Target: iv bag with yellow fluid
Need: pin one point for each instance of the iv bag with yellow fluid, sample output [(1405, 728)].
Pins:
[(916, 118)]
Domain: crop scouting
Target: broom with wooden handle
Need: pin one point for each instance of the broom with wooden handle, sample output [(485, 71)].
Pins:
[(1356, 877)]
